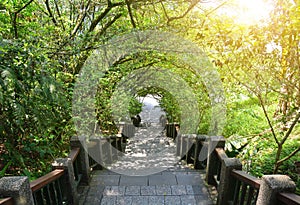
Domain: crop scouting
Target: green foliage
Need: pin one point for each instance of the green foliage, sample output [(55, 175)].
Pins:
[(245, 117), (32, 104), (43, 47), (259, 157), (259, 61)]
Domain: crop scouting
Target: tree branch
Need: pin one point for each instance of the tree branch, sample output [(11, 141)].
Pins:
[(289, 156), (287, 134), (50, 12), (216, 8), (268, 119), (130, 13), (107, 26), (193, 4), (102, 15), (59, 15), (22, 8), (164, 10), (80, 21), (83, 58), (14, 18)]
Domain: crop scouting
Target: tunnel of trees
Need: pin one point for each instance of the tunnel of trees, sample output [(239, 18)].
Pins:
[(45, 44)]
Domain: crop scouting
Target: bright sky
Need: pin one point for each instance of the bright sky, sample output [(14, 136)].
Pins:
[(252, 11), (244, 11)]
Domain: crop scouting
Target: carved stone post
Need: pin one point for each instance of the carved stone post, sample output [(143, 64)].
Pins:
[(18, 188), (271, 185)]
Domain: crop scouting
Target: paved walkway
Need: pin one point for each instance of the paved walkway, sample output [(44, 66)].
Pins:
[(148, 173), (175, 186), (148, 152)]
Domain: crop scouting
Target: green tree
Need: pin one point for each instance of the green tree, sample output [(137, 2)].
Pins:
[(261, 61)]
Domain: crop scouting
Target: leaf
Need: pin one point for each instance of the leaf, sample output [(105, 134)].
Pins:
[(2, 172)]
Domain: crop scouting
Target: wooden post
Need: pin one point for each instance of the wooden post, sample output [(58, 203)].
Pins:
[(227, 183), (198, 148), (178, 144), (212, 159), (70, 186), (95, 152), (84, 167)]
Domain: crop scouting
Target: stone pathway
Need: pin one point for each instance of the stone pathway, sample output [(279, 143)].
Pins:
[(175, 186), (148, 173), (148, 152)]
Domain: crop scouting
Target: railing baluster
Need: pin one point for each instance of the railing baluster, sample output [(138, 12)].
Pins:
[(75, 165), (181, 145), (237, 192), (59, 193), (198, 147), (52, 193), (46, 195), (243, 193), (219, 165), (178, 145), (110, 150), (256, 195), (187, 143), (250, 195), (38, 197)]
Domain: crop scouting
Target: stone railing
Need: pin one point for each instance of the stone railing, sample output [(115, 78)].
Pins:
[(235, 186), (60, 185), (56, 187), (188, 146)]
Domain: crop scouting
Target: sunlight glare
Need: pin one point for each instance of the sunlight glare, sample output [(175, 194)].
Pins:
[(251, 12)]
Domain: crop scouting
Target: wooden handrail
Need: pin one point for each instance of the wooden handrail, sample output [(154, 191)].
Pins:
[(289, 198), (246, 178), (74, 153), (46, 179), (7, 201), (221, 153)]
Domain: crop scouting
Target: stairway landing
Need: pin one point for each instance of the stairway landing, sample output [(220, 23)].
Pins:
[(174, 186)]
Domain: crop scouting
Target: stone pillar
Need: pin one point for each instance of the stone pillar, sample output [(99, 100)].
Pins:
[(227, 183), (70, 188), (18, 188), (84, 167), (128, 131), (212, 159), (96, 152), (198, 162), (271, 185)]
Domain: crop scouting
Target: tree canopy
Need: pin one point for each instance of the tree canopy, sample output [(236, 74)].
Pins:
[(45, 44)]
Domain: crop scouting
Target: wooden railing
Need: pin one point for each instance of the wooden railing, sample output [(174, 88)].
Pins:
[(7, 201), (235, 186), (246, 188), (76, 164), (60, 185), (49, 189), (288, 198), (188, 148), (105, 150)]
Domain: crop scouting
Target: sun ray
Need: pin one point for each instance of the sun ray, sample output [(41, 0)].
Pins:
[(251, 12)]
